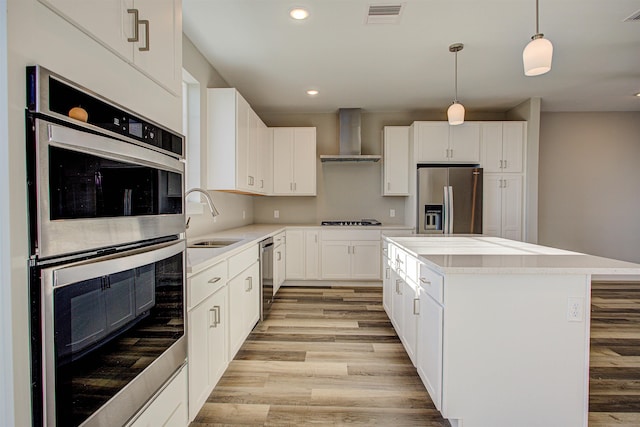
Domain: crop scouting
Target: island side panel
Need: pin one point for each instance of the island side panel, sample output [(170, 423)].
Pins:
[(511, 357)]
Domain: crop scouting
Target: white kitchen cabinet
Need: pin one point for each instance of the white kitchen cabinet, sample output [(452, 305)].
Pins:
[(397, 310), (502, 210), (157, 50), (264, 161), (387, 283), (207, 296), (244, 306), (440, 142), (350, 255), (168, 407), (503, 147), (409, 330), (396, 161), (430, 331), (302, 254), (279, 261), (294, 161), (234, 141)]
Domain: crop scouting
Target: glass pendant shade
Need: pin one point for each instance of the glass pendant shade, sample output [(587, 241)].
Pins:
[(537, 56), (455, 113)]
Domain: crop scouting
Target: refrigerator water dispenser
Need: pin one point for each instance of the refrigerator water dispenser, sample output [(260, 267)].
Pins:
[(433, 217)]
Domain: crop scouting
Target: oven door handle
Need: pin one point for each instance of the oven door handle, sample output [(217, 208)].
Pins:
[(97, 267)]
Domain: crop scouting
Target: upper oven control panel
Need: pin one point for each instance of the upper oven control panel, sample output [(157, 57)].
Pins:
[(51, 94)]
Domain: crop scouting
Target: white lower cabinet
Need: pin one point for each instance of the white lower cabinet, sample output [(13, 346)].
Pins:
[(350, 255), (409, 336), (430, 332), (207, 332), (207, 348), (303, 254), (279, 263), (169, 406), (244, 306)]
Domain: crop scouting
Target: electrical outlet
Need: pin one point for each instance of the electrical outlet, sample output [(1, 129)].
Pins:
[(276, 213), (575, 309), (392, 213)]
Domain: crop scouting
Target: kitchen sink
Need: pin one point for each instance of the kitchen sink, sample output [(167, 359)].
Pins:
[(213, 243)]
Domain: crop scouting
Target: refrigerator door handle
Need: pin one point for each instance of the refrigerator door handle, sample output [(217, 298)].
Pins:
[(450, 209), (445, 211)]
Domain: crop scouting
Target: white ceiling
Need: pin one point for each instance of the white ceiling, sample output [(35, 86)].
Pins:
[(273, 60)]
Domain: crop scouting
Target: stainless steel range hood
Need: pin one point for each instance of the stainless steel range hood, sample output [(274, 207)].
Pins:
[(350, 139)]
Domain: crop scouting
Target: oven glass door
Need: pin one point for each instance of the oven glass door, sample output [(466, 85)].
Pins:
[(105, 322), (92, 191)]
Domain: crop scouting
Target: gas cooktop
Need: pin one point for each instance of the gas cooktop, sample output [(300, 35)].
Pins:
[(353, 223)]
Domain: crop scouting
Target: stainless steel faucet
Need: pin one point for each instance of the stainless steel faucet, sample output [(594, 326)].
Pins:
[(207, 197)]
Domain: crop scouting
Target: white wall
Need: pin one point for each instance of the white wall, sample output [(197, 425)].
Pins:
[(6, 359), (589, 198), (36, 35), (231, 206)]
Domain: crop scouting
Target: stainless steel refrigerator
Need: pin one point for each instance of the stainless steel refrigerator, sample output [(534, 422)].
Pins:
[(449, 199)]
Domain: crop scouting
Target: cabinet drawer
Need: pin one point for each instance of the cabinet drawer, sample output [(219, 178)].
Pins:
[(239, 262), (350, 234), (278, 239), (432, 283), (206, 283)]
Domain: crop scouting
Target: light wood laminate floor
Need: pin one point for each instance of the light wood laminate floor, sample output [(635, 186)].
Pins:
[(329, 356)]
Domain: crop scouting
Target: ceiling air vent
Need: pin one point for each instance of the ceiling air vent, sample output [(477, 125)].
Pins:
[(384, 13), (635, 17)]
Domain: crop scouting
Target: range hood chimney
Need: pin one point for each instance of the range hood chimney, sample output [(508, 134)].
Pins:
[(350, 139)]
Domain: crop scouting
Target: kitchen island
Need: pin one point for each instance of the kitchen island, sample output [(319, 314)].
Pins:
[(498, 329)]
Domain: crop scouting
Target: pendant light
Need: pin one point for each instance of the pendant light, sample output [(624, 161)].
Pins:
[(455, 113), (537, 55)]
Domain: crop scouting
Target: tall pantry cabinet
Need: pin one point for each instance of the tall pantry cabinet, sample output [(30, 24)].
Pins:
[(503, 159)]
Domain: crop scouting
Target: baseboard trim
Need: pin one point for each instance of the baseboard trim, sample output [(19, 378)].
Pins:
[(345, 283)]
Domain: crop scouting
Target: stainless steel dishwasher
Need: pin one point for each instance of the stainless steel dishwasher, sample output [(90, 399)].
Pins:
[(266, 277)]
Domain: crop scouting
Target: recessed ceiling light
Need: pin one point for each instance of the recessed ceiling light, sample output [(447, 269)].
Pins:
[(312, 92), (299, 13)]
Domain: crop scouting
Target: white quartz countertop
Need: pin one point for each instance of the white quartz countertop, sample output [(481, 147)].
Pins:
[(494, 255), (199, 259)]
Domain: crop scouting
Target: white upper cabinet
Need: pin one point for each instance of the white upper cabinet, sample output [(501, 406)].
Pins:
[(503, 146), (237, 145), (152, 44), (396, 161), (294, 161), (441, 142)]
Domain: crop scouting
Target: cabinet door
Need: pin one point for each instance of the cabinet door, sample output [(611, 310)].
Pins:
[(410, 319), (295, 255), (429, 346), (198, 346), (512, 207), (365, 262), (282, 161), (237, 288), (243, 111), (491, 160), (252, 151), (432, 141), (251, 309), (396, 161), (387, 287), (311, 254), (304, 161), (492, 205), (513, 146), (464, 143), (336, 259), (264, 167), (280, 266), (397, 318), (163, 59), (105, 21)]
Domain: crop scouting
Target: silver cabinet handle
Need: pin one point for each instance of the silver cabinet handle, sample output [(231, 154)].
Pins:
[(279, 256), (291, 186), (425, 281), (136, 22), (416, 307), (501, 163), (398, 282), (145, 22), (388, 273), (215, 312), (452, 153), (249, 285), (214, 280), (295, 186), (262, 183), (388, 186), (505, 164)]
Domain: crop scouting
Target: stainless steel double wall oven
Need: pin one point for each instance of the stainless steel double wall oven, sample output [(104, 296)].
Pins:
[(106, 218)]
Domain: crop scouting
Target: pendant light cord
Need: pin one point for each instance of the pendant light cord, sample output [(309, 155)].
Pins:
[(455, 98), (537, 17)]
